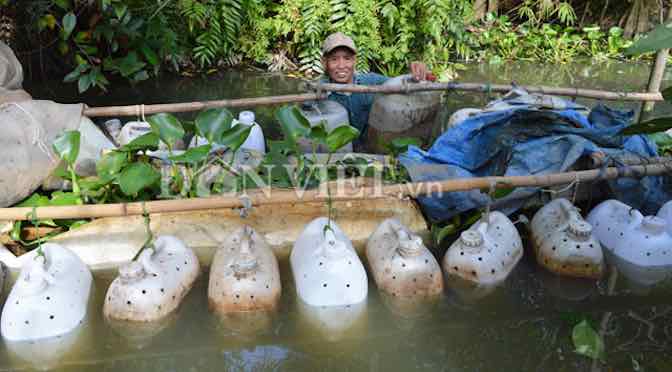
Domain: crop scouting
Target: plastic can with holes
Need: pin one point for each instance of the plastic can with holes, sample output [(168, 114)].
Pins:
[(326, 268), (564, 242), (154, 285), (244, 275), (487, 252), (400, 263), (640, 246)]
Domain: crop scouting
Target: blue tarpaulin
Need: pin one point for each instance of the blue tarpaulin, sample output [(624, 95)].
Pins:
[(524, 134)]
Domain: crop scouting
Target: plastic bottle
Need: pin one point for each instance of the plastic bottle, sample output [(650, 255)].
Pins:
[(255, 141)]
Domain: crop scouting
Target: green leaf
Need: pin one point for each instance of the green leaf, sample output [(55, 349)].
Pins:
[(66, 146), (647, 127), (148, 141), (193, 155), (65, 198), (74, 74), (127, 66), (140, 76), (656, 39), (167, 127), (399, 145), (318, 133), (502, 192), (63, 4), (294, 125), (236, 136), (586, 341), (440, 233), (211, 123), (341, 136), (69, 22), (137, 177), (111, 164), (84, 83), (119, 9), (150, 56), (35, 200)]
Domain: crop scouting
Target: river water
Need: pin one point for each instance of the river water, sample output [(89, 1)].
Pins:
[(524, 325)]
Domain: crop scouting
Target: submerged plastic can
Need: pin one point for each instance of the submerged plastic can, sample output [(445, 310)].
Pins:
[(400, 263), (50, 296), (244, 275), (640, 246), (487, 252), (564, 242), (326, 268), (401, 115), (153, 286)]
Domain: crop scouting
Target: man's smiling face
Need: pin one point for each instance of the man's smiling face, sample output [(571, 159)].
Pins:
[(340, 65)]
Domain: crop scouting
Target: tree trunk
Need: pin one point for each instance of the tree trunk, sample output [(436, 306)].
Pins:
[(637, 20), (493, 6), (480, 9)]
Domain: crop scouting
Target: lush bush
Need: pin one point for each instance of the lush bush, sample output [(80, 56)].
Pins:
[(132, 39)]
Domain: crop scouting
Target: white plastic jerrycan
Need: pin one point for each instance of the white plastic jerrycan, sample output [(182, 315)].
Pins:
[(153, 286), (48, 353), (401, 264), (326, 268), (255, 141), (487, 252), (50, 296), (244, 275), (564, 243), (640, 246)]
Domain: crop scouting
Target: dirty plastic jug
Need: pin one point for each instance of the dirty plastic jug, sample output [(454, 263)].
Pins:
[(487, 252), (332, 113), (153, 286), (401, 264), (244, 275), (639, 245), (401, 115), (246, 324), (564, 242), (326, 268), (50, 296), (139, 335)]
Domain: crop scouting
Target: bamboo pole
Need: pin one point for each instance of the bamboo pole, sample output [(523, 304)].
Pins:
[(657, 73), (478, 87), (267, 196), (138, 110)]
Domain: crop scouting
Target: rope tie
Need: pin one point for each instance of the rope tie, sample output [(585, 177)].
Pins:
[(37, 133)]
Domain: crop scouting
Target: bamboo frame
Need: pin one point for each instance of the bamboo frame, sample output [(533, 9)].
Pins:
[(138, 110), (258, 197)]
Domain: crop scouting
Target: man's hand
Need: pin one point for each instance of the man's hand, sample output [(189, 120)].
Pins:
[(419, 71)]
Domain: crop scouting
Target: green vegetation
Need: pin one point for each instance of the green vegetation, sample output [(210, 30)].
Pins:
[(99, 40)]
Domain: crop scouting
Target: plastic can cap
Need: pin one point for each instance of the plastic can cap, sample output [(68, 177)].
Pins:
[(246, 117)]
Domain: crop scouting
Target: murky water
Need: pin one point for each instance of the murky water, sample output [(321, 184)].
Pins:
[(524, 325)]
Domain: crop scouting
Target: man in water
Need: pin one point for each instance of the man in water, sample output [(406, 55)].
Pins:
[(339, 58)]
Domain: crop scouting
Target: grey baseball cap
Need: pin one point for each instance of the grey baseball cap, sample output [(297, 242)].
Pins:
[(336, 40)]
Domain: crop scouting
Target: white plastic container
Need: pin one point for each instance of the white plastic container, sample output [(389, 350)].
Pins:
[(326, 268), (50, 297), (255, 141), (401, 264), (244, 275), (335, 322), (333, 114), (153, 286), (640, 246), (564, 243), (487, 252)]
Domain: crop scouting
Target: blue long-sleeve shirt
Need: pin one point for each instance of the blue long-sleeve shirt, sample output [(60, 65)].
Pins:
[(358, 104)]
